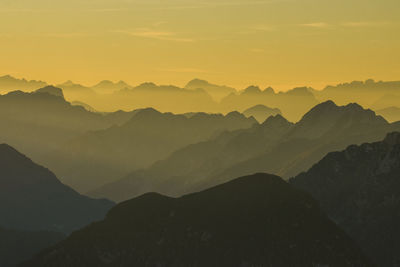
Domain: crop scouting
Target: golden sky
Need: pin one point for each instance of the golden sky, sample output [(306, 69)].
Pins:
[(279, 43)]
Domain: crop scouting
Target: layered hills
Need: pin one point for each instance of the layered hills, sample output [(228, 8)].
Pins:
[(275, 146)]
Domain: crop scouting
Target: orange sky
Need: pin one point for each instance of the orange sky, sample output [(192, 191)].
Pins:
[(279, 43)]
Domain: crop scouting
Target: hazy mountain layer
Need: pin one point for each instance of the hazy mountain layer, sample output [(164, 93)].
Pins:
[(292, 103), (19, 246), (32, 198), (359, 188), (98, 157), (276, 146), (258, 220), (391, 114), (41, 121), (261, 112)]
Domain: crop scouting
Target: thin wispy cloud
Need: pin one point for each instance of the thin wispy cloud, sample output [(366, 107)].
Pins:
[(319, 25), (154, 34)]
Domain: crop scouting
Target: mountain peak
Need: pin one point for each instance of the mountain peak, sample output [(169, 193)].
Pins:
[(277, 119), (252, 90), (51, 90), (197, 83)]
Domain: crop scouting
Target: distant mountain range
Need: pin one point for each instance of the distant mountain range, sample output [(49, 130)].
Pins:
[(202, 96), (359, 188), (258, 220), (32, 198), (276, 146), (98, 157)]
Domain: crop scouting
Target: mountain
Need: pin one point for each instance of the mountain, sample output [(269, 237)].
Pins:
[(387, 101), (9, 83), (216, 91), (261, 112), (188, 168), (365, 93), (109, 87), (84, 105), (18, 246), (78, 92), (258, 220), (359, 188), (391, 114), (292, 103), (49, 119), (276, 146), (32, 198), (97, 157)]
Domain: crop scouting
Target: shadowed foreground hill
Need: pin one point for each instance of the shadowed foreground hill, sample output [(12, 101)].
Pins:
[(359, 188), (258, 220), (19, 246), (32, 198)]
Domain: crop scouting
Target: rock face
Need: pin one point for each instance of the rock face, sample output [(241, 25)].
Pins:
[(257, 220), (359, 188), (32, 198)]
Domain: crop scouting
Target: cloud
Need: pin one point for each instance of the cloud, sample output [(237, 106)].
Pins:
[(316, 25), (158, 35)]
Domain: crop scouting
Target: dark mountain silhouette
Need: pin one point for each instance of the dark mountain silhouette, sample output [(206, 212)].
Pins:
[(51, 90), (9, 83), (97, 157), (258, 220), (359, 188), (292, 103), (276, 146), (216, 91), (32, 198), (18, 246), (261, 112), (391, 114), (49, 119)]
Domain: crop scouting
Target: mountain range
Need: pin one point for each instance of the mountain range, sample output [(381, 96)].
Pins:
[(258, 220), (32, 198), (201, 96), (275, 146), (359, 189), (98, 157), (49, 119)]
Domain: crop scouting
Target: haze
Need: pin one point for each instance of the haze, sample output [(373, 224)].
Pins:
[(279, 43)]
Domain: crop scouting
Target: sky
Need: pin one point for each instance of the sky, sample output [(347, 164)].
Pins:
[(278, 43)]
